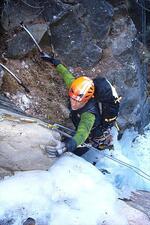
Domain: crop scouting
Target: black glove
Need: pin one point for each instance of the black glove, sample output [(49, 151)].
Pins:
[(50, 58), (70, 144)]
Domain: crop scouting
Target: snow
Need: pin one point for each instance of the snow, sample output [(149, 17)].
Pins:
[(73, 191), (132, 149), (21, 100)]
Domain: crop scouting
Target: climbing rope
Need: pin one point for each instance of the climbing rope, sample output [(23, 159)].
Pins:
[(63, 131), (132, 167)]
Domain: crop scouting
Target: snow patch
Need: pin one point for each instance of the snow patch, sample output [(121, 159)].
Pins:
[(21, 100), (72, 192)]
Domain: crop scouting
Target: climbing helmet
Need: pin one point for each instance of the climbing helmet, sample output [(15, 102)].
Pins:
[(82, 89)]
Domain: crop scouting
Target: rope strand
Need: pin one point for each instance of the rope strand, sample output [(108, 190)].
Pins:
[(134, 168)]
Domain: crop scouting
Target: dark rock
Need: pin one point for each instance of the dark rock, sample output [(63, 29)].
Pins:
[(7, 222), (55, 10), (72, 2), (83, 32), (97, 17), (141, 201), (77, 31), (14, 12), (22, 43), (77, 36), (29, 221), (135, 105), (29, 11), (73, 44), (128, 74), (123, 34)]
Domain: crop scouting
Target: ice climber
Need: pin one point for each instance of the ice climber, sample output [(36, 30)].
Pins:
[(94, 107)]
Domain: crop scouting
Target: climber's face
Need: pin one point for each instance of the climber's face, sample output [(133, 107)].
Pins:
[(75, 105)]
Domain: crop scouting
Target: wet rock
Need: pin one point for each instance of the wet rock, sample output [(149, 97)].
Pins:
[(128, 74), (122, 41)]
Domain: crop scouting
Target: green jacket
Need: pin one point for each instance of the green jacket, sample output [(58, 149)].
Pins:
[(87, 119)]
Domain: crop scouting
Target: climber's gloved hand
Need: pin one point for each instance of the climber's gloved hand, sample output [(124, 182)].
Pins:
[(50, 58), (68, 145), (55, 151)]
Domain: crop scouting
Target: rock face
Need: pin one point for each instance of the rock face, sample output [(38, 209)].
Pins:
[(87, 34), (123, 68), (83, 29), (137, 209), (80, 27), (21, 44), (141, 201), (134, 216), (78, 47), (22, 143)]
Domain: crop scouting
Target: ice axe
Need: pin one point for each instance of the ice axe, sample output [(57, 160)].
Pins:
[(16, 78), (51, 55)]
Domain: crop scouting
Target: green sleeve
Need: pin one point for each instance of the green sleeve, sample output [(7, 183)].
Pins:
[(84, 127), (65, 74)]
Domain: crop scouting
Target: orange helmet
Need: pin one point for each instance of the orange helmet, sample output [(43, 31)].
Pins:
[(82, 89)]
